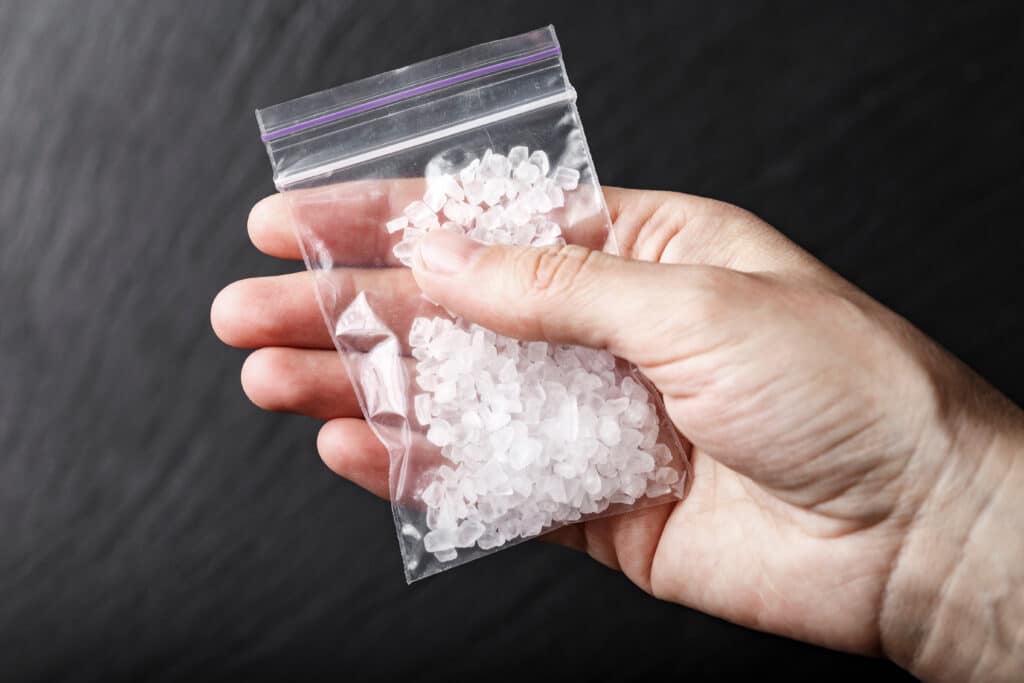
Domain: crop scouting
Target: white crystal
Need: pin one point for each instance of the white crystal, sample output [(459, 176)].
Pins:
[(491, 539), (524, 452), (440, 432), (608, 431), (540, 159), (566, 178), (439, 540), (666, 476), (396, 224), (655, 490), (451, 187), (662, 454), (404, 252), (435, 198), (518, 155), (527, 173), (468, 533), (445, 392), (446, 555), (468, 174)]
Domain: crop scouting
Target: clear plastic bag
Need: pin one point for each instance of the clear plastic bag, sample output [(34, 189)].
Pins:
[(491, 440)]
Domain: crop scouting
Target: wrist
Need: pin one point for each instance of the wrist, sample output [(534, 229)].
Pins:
[(954, 604)]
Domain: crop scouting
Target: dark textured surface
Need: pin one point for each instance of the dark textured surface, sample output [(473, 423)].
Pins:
[(157, 526)]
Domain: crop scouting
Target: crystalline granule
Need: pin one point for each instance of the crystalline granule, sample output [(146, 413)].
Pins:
[(493, 191), (640, 463), (524, 452), (511, 189), (634, 486), (608, 431), (522, 235), (518, 155), (666, 476), (440, 432), (526, 173), (396, 224), (633, 390), (412, 532), (614, 407), (468, 174), (566, 178), (662, 454), (630, 438), (468, 533), (474, 191), (540, 159), (432, 494), (591, 482), (508, 373), (404, 252), (502, 439), (497, 166), (439, 540), (446, 555), (491, 219), (556, 196), (649, 436), (419, 213), (491, 539), (420, 332), (623, 498), (435, 198), (490, 476), (536, 351), (522, 485), (537, 200), (636, 414), (450, 186), (655, 490), (445, 392)]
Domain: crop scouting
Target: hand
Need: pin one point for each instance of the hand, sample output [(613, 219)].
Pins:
[(830, 439)]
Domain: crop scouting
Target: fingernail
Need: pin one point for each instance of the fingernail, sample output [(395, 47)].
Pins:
[(447, 253)]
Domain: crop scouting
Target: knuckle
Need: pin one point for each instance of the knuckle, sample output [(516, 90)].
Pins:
[(554, 270)]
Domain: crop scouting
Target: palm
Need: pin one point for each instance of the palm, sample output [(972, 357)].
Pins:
[(800, 560), (810, 560)]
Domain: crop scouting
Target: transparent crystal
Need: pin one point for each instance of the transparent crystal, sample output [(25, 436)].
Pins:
[(440, 432), (566, 178), (468, 533), (439, 540), (540, 159), (518, 155), (446, 555), (396, 224)]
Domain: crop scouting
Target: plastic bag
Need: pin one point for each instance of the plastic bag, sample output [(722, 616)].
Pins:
[(491, 440)]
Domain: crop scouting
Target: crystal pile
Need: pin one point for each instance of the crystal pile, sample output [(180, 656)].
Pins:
[(495, 199), (531, 434)]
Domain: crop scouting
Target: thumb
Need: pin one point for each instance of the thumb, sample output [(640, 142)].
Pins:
[(564, 294)]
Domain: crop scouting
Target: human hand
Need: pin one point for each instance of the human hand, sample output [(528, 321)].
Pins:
[(843, 464)]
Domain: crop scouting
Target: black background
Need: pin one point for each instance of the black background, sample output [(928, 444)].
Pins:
[(157, 526)]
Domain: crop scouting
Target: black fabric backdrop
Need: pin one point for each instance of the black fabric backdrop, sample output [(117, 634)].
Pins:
[(156, 526)]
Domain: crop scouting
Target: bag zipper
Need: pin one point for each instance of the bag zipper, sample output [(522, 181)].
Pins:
[(285, 180)]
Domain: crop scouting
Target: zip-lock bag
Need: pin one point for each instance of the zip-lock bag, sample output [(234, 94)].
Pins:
[(491, 440)]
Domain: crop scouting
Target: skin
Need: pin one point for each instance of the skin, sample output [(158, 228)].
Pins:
[(854, 485)]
